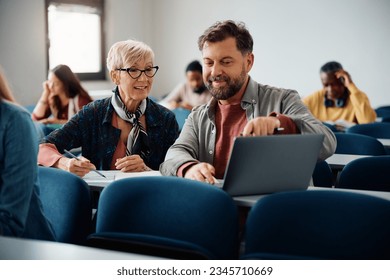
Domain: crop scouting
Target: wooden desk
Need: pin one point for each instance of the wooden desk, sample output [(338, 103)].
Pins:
[(249, 201), (338, 161), (27, 249)]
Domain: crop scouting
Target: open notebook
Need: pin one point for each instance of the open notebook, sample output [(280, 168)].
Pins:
[(94, 179)]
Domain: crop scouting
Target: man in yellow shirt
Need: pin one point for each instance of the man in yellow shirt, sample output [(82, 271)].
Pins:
[(340, 101)]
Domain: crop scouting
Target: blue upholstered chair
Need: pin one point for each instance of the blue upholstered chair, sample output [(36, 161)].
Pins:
[(386, 119), (377, 129), (66, 203), (167, 216), (181, 115), (383, 111), (358, 144), (318, 225), (322, 175), (371, 173)]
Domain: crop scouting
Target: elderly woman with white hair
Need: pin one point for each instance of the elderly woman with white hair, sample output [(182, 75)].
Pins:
[(127, 131)]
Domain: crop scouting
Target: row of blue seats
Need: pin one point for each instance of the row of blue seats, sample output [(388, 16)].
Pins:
[(184, 219), (369, 173), (383, 112), (376, 129)]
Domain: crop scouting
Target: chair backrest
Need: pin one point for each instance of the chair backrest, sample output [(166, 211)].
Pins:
[(386, 107), (358, 144), (377, 129), (67, 204), (327, 224), (178, 218), (323, 175), (371, 173), (181, 115), (383, 111), (386, 119)]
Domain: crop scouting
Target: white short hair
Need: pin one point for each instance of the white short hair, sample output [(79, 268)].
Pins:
[(127, 52)]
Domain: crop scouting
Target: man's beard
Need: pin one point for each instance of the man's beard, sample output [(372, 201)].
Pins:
[(230, 89)]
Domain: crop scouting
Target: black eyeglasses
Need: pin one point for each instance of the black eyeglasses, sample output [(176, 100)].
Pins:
[(136, 73)]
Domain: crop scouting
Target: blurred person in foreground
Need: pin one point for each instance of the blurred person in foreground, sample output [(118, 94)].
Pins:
[(21, 212)]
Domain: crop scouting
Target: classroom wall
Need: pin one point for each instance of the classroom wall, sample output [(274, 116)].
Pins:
[(292, 40), (22, 47)]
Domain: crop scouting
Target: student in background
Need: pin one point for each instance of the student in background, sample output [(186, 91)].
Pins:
[(21, 213), (62, 97), (127, 132), (192, 92), (339, 101), (239, 105)]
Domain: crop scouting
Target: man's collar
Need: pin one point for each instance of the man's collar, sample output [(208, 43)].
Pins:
[(250, 96)]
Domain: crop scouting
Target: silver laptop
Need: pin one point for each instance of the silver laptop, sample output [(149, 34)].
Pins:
[(267, 164)]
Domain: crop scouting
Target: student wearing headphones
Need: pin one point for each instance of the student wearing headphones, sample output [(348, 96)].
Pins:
[(340, 99)]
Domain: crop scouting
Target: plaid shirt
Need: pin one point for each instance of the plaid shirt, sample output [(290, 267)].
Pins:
[(91, 129)]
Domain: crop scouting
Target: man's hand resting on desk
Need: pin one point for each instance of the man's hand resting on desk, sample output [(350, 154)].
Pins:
[(203, 172), (79, 166), (132, 163)]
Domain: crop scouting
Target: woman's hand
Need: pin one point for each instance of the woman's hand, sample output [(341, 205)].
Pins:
[(132, 163), (46, 92), (53, 103), (79, 166), (43, 103), (52, 121)]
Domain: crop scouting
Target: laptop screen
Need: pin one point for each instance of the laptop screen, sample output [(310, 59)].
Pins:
[(267, 164)]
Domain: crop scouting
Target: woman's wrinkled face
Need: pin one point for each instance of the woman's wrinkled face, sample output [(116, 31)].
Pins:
[(136, 89)]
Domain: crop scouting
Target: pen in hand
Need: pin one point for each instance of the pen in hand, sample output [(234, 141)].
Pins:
[(73, 156), (276, 130)]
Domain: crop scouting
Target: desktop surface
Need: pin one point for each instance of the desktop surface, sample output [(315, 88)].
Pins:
[(246, 201), (250, 200), (13, 248)]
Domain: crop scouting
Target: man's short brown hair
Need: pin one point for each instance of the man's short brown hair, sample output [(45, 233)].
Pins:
[(222, 30)]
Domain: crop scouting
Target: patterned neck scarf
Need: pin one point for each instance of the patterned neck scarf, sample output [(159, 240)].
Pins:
[(137, 140)]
